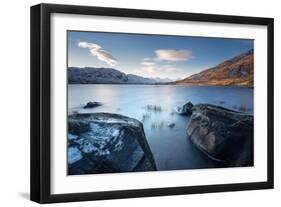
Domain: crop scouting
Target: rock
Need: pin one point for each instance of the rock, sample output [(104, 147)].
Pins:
[(107, 143), (222, 134), (186, 109), (171, 125), (77, 127), (92, 105)]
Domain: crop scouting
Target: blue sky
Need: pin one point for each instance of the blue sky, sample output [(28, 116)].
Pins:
[(163, 56)]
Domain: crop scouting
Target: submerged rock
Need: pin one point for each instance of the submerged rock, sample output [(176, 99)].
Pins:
[(186, 109), (107, 143), (223, 134), (92, 104)]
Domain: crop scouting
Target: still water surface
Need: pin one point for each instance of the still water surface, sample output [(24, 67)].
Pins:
[(155, 106)]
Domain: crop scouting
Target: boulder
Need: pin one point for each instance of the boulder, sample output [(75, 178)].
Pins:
[(223, 134), (92, 104), (186, 109), (107, 143), (171, 125)]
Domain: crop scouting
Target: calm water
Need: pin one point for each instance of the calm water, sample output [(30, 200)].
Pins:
[(170, 146)]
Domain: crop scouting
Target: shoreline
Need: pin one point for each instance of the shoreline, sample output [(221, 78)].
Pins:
[(238, 86)]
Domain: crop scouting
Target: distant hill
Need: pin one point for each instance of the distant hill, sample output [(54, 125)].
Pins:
[(237, 71), (139, 79), (91, 75)]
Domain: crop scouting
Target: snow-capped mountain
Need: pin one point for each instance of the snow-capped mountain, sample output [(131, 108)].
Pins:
[(91, 75)]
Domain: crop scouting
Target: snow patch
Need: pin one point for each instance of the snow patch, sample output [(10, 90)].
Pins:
[(73, 155), (179, 110), (119, 145), (87, 147), (100, 140), (72, 136), (115, 120)]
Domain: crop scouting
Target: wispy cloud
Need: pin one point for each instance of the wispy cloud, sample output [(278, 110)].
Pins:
[(173, 55), (163, 56), (169, 68), (155, 70), (151, 70), (148, 62), (161, 62), (97, 51)]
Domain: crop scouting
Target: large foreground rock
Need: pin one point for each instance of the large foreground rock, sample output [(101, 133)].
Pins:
[(223, 134), (107, 143)]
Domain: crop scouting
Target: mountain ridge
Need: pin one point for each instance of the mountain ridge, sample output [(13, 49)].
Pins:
[(238, 71), (93, 75)]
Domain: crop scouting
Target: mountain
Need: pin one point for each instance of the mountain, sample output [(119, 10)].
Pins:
[(237, 71), (91, 75), (139, 79), (163, 80), (95, 75)]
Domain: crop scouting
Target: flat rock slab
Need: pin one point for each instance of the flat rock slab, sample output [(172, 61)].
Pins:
[(223, 134), (107, 143)]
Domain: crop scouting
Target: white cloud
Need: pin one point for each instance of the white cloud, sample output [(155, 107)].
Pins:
[(97, 51), (149, 70), (147, 63), (161, 71), (169, 68), (173, 55), (170, 55), (154, 70), (148, 59)]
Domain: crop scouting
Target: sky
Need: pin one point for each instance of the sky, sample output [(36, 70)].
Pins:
[(155, 56)]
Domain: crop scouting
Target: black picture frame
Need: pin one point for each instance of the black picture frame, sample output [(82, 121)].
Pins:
[(41, 98)]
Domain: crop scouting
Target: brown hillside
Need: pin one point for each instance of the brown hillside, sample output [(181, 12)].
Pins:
[(236, 71)]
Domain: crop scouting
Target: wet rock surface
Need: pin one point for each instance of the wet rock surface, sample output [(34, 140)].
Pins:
[(186, 109), (223, 134), (107, 143), (92, 104)]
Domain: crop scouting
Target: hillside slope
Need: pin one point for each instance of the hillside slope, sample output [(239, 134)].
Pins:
[(236, 71)]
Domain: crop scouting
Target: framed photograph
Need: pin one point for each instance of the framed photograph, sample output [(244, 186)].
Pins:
[(133, 103)]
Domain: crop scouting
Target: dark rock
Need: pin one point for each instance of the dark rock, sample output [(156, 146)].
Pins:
[(186, 109), (222, 134), (112, 143), (78, 127), (92, 105), (171, 125)]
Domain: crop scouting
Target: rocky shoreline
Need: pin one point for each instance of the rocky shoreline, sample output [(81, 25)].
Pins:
[(109, 143)]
